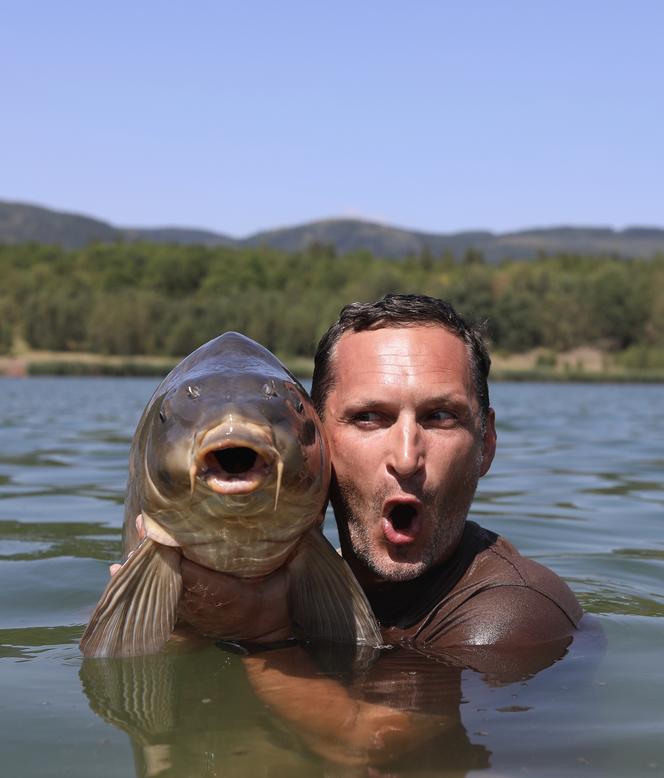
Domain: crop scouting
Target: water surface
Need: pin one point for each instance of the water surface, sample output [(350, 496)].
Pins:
[(577, 484)]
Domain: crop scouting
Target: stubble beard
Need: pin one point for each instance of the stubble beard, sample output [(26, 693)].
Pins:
[(403, 563)]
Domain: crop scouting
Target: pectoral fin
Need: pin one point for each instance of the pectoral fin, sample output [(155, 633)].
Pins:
[(325, 600), (136, 612)]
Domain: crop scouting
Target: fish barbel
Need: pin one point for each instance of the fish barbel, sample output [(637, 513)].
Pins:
[(229, 468)]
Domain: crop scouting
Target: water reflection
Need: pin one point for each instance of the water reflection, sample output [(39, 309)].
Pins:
[(308, 710)]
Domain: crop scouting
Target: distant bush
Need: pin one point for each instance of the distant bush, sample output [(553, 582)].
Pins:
[(75, 368), (142, 298), (642, 357), (546, 359)]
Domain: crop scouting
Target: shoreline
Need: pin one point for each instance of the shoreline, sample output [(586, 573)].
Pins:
[(60, 363), (578, 366)]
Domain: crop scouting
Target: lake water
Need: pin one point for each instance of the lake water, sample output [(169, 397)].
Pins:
[(577, 484)]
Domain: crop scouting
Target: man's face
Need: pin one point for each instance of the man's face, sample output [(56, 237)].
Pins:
[(407, 447)]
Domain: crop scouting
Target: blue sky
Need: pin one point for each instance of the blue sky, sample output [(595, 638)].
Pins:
[(240, 116)]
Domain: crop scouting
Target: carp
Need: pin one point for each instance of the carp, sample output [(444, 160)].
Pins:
[(229, 468)]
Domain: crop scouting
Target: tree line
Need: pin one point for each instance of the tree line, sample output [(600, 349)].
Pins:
[(144, 298)]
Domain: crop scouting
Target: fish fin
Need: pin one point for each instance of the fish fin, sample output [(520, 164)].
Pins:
[(325, 600), (136, 612)]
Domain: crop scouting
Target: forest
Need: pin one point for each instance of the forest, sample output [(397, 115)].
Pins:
[(163, 299)]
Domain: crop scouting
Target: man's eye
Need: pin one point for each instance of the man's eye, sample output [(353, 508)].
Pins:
[(441, 415), (366, 417)]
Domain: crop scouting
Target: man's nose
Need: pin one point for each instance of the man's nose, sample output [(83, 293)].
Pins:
[(406, 455)]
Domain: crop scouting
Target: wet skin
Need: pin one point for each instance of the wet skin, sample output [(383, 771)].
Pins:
[(407, 446)]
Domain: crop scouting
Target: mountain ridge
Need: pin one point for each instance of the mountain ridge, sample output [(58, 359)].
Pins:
[(23, 222)]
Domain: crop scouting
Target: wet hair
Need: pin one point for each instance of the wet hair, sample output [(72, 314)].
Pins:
[(401, 310)]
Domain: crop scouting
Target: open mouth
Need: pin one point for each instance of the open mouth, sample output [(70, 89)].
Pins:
[(233, 461), (233, 468), (402, 517), (401, 522)]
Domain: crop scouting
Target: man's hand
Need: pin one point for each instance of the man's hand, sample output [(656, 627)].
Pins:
[(229, 607)]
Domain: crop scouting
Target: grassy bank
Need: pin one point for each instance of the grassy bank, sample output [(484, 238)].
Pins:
[(54, 363), (583, 364), (581, 376)]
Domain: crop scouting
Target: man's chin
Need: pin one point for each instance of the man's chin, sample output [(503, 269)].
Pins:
[(388, 562), (387, 568)]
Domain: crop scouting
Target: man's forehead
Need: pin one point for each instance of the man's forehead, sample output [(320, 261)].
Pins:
[(404, 340), (403, 351)]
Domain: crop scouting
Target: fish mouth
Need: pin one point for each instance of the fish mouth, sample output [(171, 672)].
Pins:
[(401, 521), (234, 465)]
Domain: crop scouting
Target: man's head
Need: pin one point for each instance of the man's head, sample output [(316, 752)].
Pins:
[(401, 386), (400, 310)]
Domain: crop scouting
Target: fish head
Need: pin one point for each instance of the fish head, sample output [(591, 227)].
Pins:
[(224, 445)]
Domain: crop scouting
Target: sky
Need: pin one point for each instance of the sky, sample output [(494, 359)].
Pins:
[(241, 116)]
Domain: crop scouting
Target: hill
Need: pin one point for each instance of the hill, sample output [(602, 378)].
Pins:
[(185, 235), (21, 223)]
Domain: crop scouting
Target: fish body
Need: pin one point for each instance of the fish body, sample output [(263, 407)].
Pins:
[(229, 467)]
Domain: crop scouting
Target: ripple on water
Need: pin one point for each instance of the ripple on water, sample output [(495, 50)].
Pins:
[(24, 542), (22, 549), (48, 458), (58, 506)]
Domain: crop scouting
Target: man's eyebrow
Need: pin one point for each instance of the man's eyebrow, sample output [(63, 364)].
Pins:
[(449, 398), (368, 404), (456, 399)]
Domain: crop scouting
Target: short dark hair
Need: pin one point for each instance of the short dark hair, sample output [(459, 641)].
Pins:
[(401, 310)]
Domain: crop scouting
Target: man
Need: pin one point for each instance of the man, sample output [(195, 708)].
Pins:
[(401, 387)]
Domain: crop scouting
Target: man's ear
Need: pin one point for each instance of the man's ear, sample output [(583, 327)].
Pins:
[(489, 442)]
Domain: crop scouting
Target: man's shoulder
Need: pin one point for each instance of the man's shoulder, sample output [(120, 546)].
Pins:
[(501, 597), (501, 565)]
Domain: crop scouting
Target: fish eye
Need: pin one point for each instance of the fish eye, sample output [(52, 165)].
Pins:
[(193, 392), (296, 398), (162, 415)]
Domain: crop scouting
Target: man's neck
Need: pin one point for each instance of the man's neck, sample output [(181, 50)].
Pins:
[(404, 603)]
